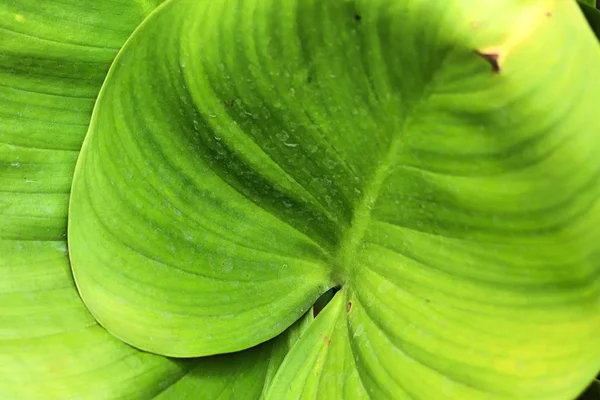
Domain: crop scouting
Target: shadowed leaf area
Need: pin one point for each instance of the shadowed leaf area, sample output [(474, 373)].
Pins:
[(592, 14)]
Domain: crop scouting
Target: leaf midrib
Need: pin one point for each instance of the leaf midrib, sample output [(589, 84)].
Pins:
[(348, 250), (362, 214)]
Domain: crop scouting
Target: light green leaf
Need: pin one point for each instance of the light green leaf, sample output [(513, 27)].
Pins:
[(54, 58), (322, 366), (432, 158), (240, 376), (234, 274), (50, 346)]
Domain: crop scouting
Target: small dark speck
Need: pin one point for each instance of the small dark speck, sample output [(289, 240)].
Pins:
[(548, 14), (492, 59), (357, 17), (348, 306)]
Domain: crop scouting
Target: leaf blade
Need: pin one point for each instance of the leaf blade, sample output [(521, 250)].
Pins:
[(446, 191), (55, 56)]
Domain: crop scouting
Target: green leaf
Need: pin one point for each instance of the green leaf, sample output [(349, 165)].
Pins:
[(432, 158), (243, 375), (322, 365), (54, 58)]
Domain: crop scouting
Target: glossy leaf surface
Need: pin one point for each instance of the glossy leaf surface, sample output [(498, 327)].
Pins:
[(432, 158), (54, 57)]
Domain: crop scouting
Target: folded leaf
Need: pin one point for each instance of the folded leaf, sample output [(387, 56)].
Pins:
[(434, 159)]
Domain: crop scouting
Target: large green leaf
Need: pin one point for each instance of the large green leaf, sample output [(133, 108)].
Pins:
[(54, 56), (432, 158)]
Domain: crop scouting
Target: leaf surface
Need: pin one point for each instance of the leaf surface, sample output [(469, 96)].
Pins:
[(432, 158), (244, 375), (54, 57)]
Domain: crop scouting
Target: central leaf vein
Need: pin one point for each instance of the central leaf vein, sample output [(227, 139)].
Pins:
[(353, 237)]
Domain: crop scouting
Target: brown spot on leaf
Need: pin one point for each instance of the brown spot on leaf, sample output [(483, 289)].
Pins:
[(348, 306), (548, 14), (492, 59)]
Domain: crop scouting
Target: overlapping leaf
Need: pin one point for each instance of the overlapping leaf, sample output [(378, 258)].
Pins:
[(54, 56), (432, 158)]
